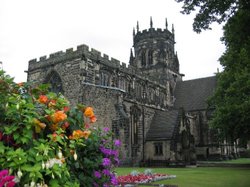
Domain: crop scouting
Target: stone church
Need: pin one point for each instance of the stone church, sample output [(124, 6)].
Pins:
[(158, 117)]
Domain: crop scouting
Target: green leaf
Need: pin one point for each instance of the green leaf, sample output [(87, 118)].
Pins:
[(54, 183)]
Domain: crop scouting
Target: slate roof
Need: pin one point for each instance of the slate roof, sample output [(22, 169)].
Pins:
[(192, 94), (163, 125)]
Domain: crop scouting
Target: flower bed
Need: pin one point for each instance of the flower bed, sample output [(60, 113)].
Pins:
[(142, 178)]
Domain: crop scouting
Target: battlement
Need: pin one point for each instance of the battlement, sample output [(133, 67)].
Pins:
[(153, 33), (72, 54)]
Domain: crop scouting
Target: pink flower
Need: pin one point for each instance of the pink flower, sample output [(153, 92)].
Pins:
[(3, 173), (11, 184)]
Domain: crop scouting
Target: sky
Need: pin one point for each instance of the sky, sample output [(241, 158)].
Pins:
[(33, 28)]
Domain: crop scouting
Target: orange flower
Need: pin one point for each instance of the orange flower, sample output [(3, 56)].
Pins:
[(93, 119), (54, 127), (38, 125), (52, 103), (72, 152), (86, 134), (88, 112), (58, 116), (63, 160), (20, 84), (43, 99), (42, 125), (54, 135), (80, 134), (76, 134)]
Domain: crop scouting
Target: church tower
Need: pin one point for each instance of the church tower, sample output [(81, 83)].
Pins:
[(154, 53)]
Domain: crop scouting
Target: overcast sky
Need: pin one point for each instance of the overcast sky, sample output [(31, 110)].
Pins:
[(33, 28)]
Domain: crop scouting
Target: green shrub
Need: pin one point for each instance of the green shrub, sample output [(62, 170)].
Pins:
[(44, 142)]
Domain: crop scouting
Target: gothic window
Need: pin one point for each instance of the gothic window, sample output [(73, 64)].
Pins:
[(122, 84), (150, 57), (162, 55), (55, 82), (185, 139), (104, 78), (90, 76), (143, 59), (135, 114), (158, 149)]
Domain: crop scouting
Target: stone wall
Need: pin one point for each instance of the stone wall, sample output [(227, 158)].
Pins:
[(150, 150)]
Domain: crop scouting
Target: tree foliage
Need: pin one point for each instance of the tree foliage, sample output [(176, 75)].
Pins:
[(211, 11), (231, 99)]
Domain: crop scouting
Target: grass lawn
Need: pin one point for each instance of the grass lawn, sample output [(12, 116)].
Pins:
[(201, 176), (234, 161), (238, 161)]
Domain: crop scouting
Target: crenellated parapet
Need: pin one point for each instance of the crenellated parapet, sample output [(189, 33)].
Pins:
[(82, 51), (163, 34)]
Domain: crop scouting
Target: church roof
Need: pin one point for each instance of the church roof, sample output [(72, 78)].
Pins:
[(163, 125), (193, 94)]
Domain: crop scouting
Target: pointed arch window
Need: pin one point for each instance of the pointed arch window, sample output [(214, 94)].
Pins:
[(150, 57), (135, 114), (143, 59), (162, 55), (55, 82)]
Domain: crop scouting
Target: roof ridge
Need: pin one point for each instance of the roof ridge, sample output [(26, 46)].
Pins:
[(198, 79)]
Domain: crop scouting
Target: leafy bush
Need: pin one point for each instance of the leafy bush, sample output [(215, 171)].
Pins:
[(44, 142)]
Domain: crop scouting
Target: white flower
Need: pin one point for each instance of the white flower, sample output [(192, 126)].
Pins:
[(59, 155), (43, 165), (52, 176), (75, 156), (19, 173), (50, 163), (32, 184)]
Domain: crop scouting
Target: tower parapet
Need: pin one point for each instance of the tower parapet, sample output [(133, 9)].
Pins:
[(154, 49), (153, 33)]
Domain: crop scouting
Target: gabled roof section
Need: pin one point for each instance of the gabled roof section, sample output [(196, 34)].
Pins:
[(163, 125), (193, 94)]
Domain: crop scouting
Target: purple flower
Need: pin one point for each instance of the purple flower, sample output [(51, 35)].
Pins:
[(106, 172), (106, 129), (105, 185), (106, 162), (114, 180), (117, 161), (97, 174), (115, 153), (117, 143)]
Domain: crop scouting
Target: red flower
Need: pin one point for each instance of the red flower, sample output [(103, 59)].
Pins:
[(93, 119), (43, 99), (66, 109), (65, 125)]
